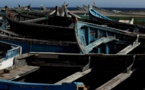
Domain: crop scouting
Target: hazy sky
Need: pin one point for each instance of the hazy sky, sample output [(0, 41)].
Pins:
[(74, 3)]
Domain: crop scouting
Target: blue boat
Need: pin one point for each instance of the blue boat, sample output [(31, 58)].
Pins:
[(92, 11), (93, 38), (103, 20), (110, 48)]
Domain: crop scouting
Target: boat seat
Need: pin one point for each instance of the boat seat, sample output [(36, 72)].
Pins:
[(96, 43), (129, 48)]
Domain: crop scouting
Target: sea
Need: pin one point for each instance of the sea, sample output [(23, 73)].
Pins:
[(107, 8)]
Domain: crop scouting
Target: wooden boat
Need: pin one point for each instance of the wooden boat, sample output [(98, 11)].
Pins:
[(119, 13), (8, 52), (93, 15), (12, 78), (43, 34), (98, 14), (47, 36), (105, 44), (90, 37), (44, 28)]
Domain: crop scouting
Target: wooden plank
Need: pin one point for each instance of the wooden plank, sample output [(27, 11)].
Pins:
[(129, 48), (74, 77), (23, 56), (96, 43), (35, 20), (19, 72), (9, 32), (115, 81)]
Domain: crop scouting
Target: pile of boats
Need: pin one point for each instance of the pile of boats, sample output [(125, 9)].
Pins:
[(54, 40)]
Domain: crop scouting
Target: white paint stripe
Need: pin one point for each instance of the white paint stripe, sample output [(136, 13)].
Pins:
[(6, 63)]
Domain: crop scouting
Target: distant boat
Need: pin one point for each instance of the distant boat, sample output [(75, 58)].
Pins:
[(118, 13), (93, 15), (98, 14)]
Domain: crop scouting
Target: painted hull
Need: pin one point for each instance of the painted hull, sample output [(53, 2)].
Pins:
[(33, 45), (115, 24), (13, 85), (119, 13), (93, 38)]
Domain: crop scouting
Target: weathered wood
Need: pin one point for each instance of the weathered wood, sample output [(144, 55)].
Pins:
[(8, 32), (129, 48), (35, 20), (96, 43), (23, 56), (19, 72), (127, 21), (115, 81), (74, 77)]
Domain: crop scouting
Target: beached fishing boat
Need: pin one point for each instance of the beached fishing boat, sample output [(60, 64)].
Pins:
[(41, 34), (43, 27), (15, 78), (48, 38), (100, 15), (93, 15), (118, 13), (105, 44), (92, 38), (8, 52)]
